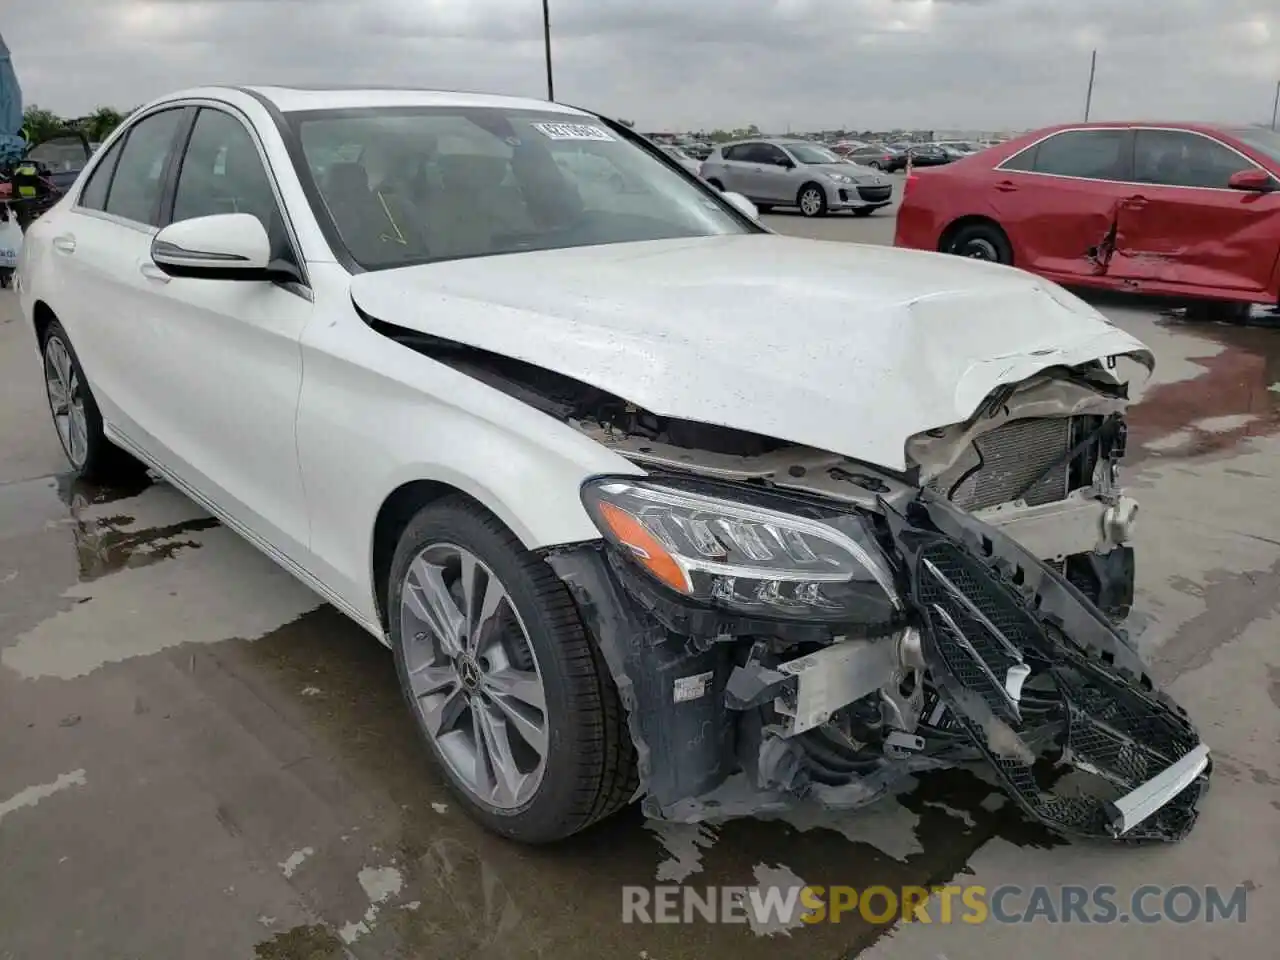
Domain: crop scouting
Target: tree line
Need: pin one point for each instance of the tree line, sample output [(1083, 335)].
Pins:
[(41, 124)]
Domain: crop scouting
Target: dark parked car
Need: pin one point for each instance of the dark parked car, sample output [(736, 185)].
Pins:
[(888, 159), (1176, 209)]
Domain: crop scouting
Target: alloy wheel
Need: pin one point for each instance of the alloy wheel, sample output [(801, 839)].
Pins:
[(66, 401), (810, 202), (474, 676)]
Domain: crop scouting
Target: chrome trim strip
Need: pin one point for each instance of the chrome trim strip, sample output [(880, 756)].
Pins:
[(1135, 183), (1137, 805)]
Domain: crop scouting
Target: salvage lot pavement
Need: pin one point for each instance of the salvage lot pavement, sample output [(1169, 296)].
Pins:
[(200, 759)]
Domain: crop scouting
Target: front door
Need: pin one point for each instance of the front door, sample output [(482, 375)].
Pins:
[(775, 181), (1181, 224)]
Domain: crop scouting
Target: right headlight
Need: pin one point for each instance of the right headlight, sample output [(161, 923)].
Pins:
[(745, 556)]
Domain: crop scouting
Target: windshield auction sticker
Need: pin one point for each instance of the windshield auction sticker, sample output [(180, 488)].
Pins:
[(572, 131)]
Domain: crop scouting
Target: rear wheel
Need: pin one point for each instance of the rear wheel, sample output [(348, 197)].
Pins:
[(875, 165), (812, 200), (510, 694), (981, 241), (76, 416)]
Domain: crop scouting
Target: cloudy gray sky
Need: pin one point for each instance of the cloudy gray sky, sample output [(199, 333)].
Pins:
[(679, 64)]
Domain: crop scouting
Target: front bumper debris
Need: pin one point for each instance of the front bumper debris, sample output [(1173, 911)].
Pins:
[(1061, 686), (1001, 659)]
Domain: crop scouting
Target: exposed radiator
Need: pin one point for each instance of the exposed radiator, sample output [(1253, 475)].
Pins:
[(1015, 454)]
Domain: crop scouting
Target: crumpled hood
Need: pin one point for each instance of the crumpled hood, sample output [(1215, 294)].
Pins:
[(845, 347)]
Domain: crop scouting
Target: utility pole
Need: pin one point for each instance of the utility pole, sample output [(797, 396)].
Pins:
[(546, 40), (1275, 107), (1088, 97)]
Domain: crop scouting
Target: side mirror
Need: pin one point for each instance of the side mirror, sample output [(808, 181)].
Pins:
[(224, 246), (1253, 181), (742, 204), (784, 163)]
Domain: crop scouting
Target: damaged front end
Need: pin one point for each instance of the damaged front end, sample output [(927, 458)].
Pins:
[(772, 646)]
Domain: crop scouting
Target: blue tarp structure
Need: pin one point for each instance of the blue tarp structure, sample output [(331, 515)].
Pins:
[(12, 147)]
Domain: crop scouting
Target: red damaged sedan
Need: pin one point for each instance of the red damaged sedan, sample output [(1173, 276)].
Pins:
[(1186, 210)]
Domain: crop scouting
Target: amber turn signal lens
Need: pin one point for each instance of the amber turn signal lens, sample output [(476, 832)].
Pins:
[(650, 553)]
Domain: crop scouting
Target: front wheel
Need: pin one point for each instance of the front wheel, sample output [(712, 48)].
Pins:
[(76, 416), (982, 241), (511, 696), (812, 200)]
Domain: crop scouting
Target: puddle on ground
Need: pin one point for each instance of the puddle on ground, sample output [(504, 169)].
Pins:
[(1237, 397)]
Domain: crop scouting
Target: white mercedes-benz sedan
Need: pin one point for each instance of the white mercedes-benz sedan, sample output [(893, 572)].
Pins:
[(649, 502)]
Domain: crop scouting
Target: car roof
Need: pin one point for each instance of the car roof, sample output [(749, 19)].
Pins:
[(299, 98)]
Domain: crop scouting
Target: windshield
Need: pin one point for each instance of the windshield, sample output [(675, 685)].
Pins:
[(812, 153), (1266, 142), (416, 185)]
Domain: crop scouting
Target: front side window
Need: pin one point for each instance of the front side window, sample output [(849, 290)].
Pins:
[(768, 153), (222, 172), (139, 175), (1176, 158), (402, 186), (1090, 154)]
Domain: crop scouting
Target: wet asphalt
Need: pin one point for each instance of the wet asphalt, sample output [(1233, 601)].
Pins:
[(199, 759)]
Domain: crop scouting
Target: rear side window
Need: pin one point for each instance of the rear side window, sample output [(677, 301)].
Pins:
[(139, 178), (739, 152), (94, 194), (1090, 154), (1024, 162)]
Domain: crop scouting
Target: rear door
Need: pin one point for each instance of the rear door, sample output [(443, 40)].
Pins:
[(738, 171), (1058, 199), (1182, 224), (102, 248)]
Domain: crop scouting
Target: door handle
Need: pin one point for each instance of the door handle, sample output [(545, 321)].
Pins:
[(152, 272), (1006, 186), (1135, 203), (65, 243)]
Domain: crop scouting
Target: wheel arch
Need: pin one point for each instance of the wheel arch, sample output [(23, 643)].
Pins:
[(42, 317)]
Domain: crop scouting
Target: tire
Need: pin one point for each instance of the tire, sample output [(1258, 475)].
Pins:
[(587, 768), (764, 207), (982, 241), (717, 184), (875, 165), (1218, 311), (864, 211), (78, 421), (812, 200)]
